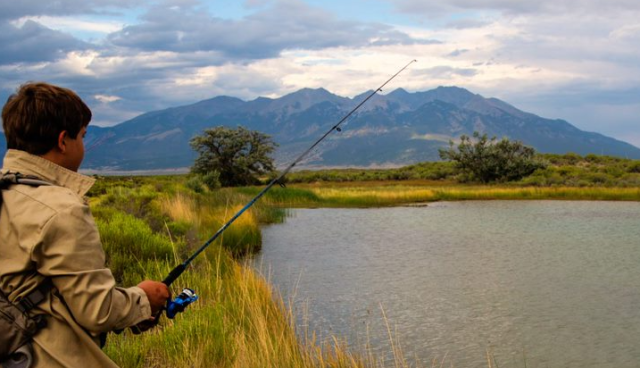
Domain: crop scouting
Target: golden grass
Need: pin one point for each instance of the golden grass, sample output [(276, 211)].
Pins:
[(239, 322), (181, 208), (371, 196)]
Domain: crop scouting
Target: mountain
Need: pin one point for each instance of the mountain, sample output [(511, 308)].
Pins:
[(398, 128)]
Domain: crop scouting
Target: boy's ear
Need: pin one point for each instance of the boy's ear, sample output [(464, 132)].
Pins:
[(62, 144)]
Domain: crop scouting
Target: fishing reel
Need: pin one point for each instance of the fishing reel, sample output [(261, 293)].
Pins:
[(178, 305)]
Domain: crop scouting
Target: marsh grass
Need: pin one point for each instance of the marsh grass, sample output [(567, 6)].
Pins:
[(237, 322), (147, 227), (370, 195)]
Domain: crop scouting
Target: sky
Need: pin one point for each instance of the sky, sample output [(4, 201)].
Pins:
[(576, 60)]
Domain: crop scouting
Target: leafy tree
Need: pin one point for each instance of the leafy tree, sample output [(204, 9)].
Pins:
[(238, 155), (488, 160)]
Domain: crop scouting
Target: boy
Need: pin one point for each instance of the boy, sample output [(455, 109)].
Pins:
[(49, 241)]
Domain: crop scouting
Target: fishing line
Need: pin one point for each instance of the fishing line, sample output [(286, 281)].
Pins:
[(179, 269)]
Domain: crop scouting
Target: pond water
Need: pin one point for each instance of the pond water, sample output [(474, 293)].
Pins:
[(534, 283)]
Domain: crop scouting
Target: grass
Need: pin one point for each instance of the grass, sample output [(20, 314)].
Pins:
[(569, 170), (376, 194), (149, 225), (237, 322)]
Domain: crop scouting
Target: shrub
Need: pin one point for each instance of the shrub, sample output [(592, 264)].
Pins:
[(130, 244), (212, 180), (634, 167), (488, 160), (195, 184)]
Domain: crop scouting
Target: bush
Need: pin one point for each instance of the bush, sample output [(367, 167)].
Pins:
[(634, 167), (130, 244), (195, 184), (212, 180), (488, 160)]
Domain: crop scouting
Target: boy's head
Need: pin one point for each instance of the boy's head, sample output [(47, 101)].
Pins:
[(39, 118)]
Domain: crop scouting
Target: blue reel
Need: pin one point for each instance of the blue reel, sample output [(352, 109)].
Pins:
[(178, 305)]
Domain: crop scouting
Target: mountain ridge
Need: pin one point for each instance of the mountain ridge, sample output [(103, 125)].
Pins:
[(397, 128)]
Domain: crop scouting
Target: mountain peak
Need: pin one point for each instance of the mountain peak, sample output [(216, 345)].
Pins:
[(399, 92), (454, 95), (310, 93), (303, 99)]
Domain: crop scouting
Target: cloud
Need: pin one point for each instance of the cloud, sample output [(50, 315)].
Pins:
[(106, 98), (457, 52), (73, 24), (467, 23), (34, 43), (282, 25), (445, 72), (431, 8), (11, 10)]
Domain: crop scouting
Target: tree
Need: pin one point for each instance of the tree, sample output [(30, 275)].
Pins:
[(238, 155), (488, 160)]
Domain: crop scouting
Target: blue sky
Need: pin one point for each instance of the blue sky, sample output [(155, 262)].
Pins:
[(576, 60)]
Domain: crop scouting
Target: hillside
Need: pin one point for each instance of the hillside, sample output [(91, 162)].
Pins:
[(390, 130)]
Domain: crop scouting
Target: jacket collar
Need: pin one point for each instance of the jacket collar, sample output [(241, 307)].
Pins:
[(28, 164)]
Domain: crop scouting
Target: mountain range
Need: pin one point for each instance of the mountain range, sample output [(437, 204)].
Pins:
[(395, 129)]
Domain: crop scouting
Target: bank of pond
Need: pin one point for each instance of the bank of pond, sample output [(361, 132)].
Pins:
[(150, 224)]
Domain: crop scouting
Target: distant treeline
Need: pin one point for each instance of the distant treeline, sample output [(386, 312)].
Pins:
[(561, 170)]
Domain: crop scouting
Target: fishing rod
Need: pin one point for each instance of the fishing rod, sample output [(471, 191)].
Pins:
[(188, 295)]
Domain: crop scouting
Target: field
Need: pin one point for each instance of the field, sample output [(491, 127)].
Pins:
[(150, 224)]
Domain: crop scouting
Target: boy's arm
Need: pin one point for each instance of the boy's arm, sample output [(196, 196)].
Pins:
[(72, 256)]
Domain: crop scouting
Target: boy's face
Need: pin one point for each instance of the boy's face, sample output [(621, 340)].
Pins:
[(75, 150)]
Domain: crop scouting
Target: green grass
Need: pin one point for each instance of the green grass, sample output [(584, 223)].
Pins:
[(568, 170), (378, 194), (237, 322), (149, 225)]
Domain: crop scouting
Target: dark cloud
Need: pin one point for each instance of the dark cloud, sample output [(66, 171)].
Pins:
[(34, 43), (458, 52), (467, 23), (284, 25), (589, 107), (444, 71), (17, 9)]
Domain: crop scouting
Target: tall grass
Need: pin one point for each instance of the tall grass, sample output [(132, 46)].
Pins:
[(368, 195), (130, 245), (237, 322), (149, 226)]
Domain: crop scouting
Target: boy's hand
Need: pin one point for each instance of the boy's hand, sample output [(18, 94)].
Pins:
[(157, 293)]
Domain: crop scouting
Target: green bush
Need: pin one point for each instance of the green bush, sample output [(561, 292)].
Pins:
[(634, 167), (488, 160), (195, 184), (212, 180), (130, 244)]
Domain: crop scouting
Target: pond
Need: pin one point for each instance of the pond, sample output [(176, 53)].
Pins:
[(534, 283)]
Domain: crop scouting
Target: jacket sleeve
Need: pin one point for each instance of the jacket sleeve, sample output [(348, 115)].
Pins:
[(72, 256)]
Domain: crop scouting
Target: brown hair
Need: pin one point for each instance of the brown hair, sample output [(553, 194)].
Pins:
[(37, 113)]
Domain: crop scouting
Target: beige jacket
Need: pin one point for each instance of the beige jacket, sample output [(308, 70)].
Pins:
[(48, 232)]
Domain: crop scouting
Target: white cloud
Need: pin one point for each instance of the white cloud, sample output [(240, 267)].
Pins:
[(106, 99), (428, 8), (73, 24)]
